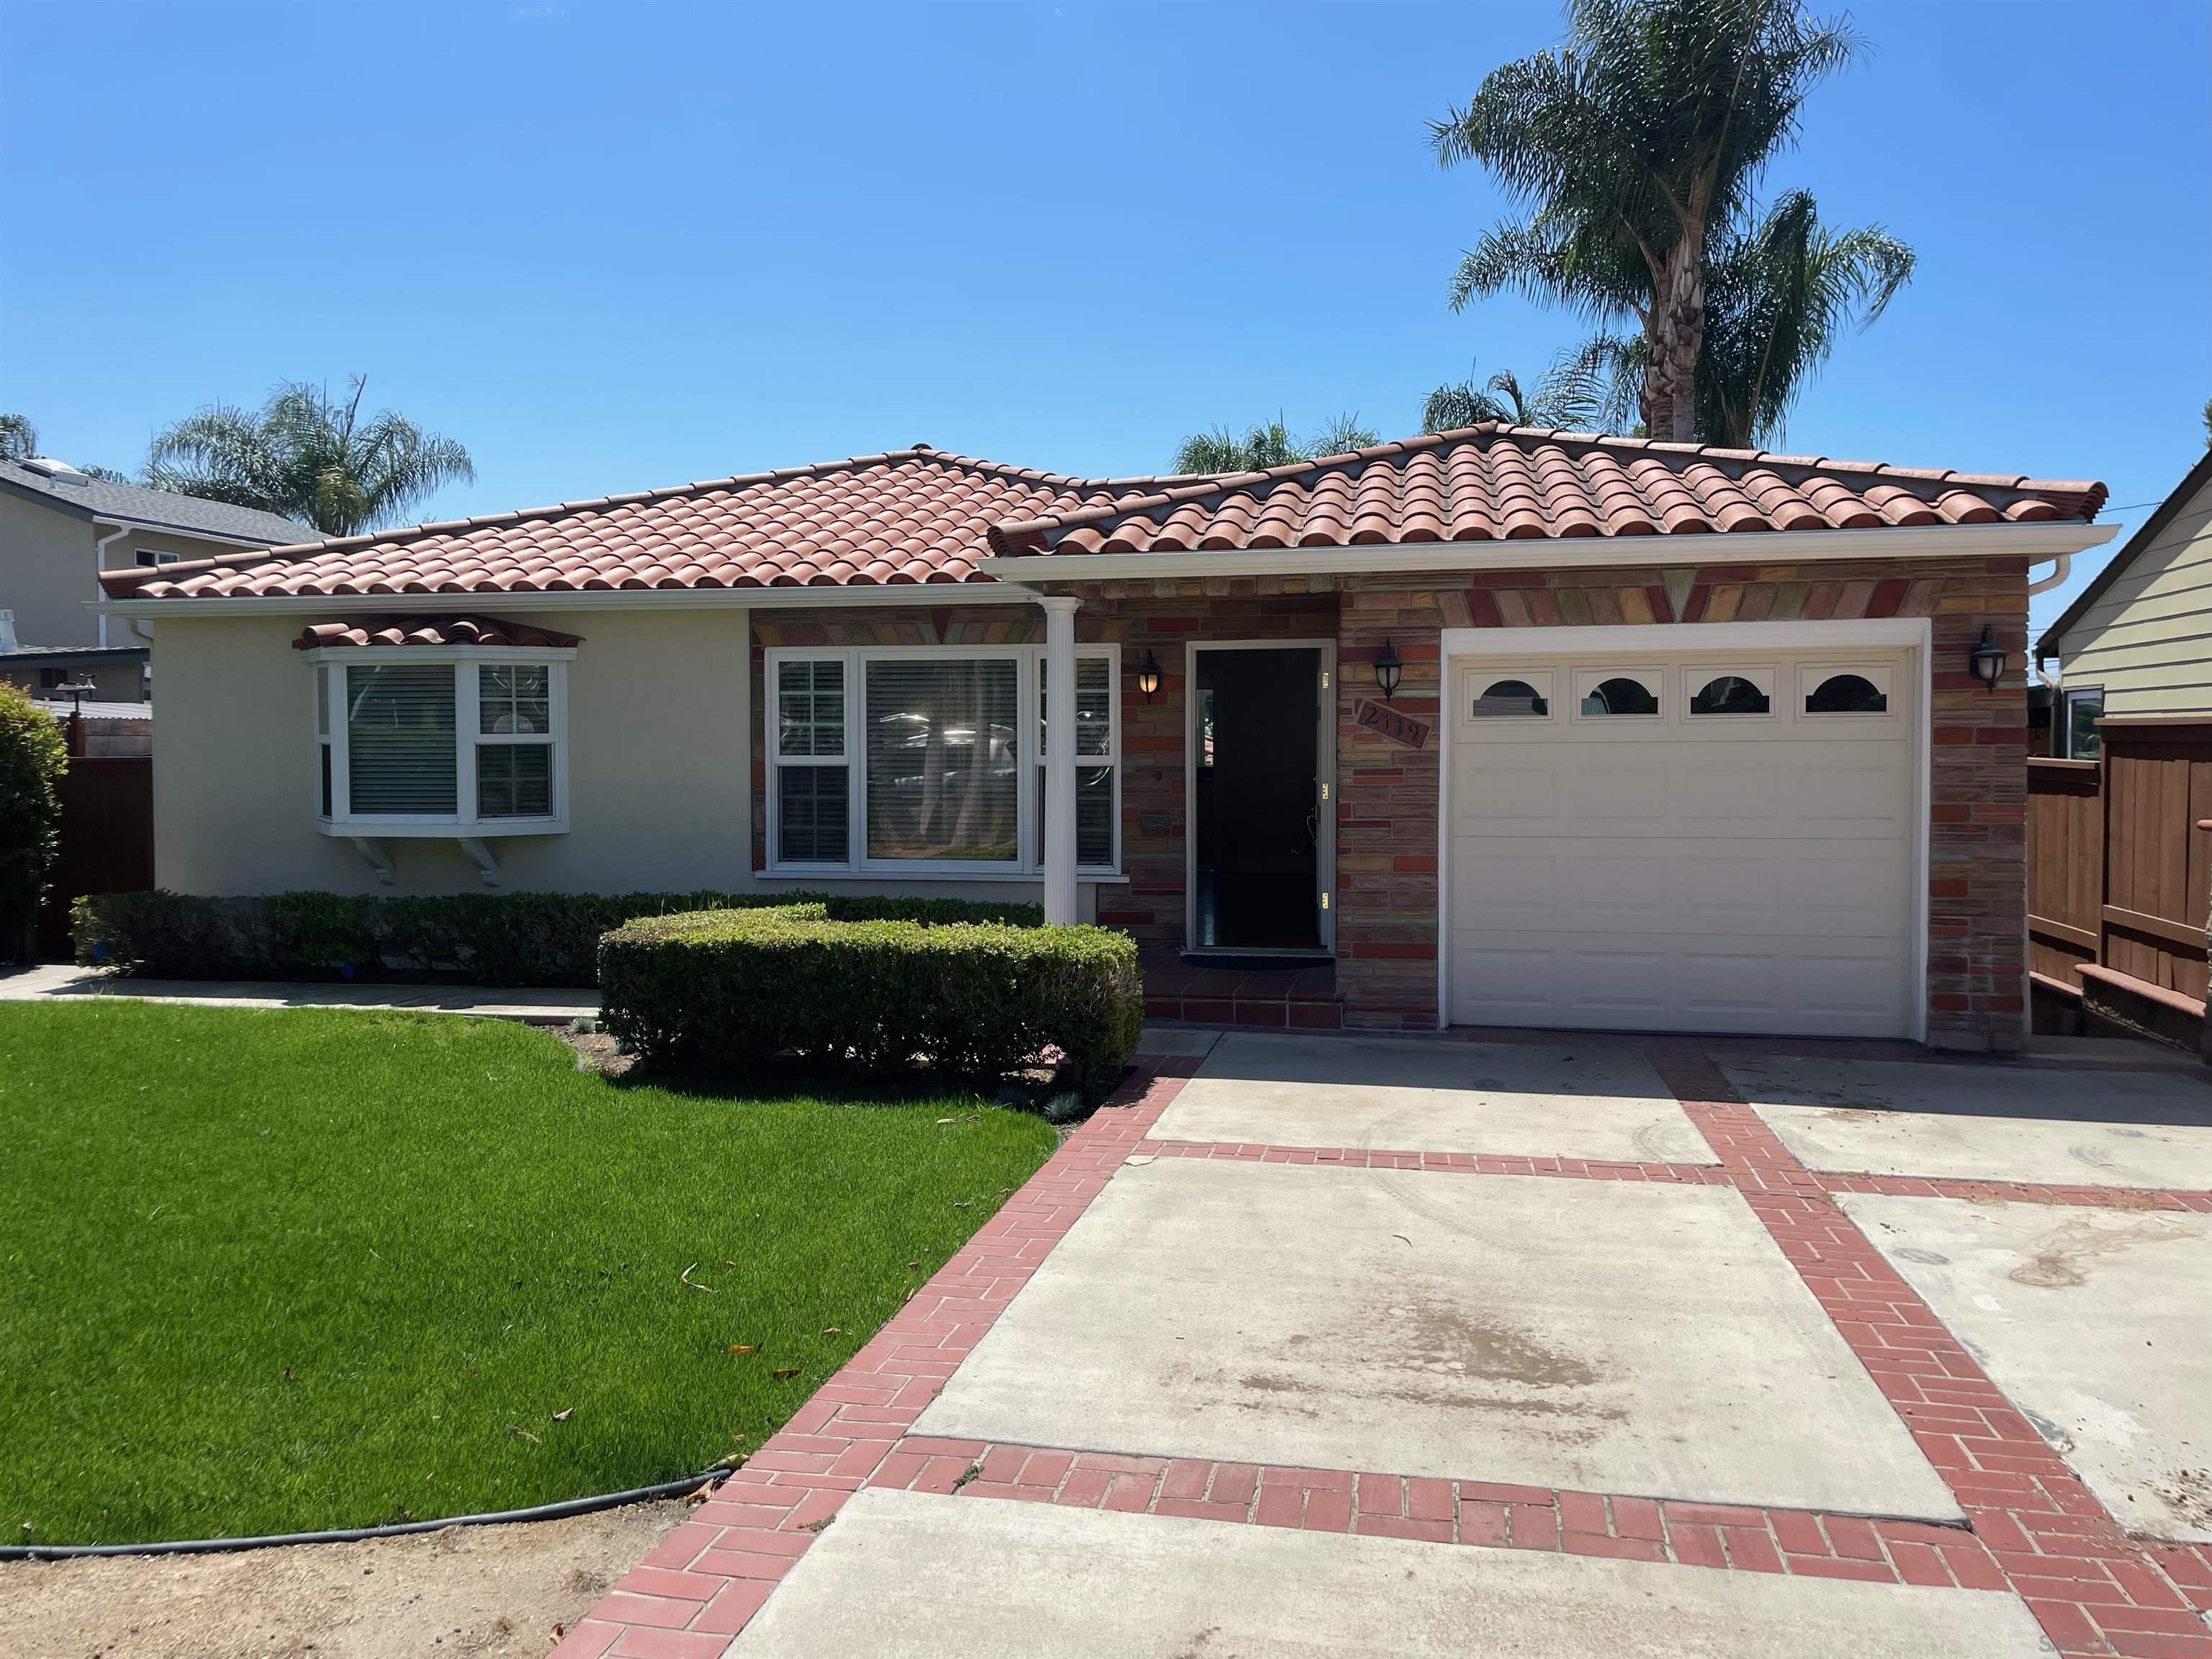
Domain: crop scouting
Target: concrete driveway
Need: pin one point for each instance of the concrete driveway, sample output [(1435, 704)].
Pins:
[(1609, 1346)]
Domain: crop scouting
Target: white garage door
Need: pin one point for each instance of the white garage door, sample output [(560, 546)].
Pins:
[(1702, 843)]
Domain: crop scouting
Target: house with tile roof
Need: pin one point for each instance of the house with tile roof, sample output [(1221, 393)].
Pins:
[(1500, 727)]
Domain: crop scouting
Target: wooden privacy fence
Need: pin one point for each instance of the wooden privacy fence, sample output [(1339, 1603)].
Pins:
[(2119, 877), (107, 839)]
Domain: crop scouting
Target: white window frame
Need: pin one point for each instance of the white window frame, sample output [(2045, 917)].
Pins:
[(1695, 678), (1812, 675), (331, 663), (2068, 697), (1030, 758)]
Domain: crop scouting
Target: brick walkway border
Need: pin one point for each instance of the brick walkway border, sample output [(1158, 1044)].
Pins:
[(2094, 1590), (702, 1582), (1744, 1537), (2033, 1526)]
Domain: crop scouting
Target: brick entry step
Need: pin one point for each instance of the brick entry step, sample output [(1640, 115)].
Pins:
[(1298, 996)]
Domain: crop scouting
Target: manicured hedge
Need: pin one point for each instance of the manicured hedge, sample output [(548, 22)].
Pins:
[(729, 991), (486, 938)]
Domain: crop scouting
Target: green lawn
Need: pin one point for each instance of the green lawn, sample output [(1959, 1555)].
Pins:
[(263, 1272)]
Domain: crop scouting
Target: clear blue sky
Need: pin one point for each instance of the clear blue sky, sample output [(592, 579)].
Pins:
[(611, 247)]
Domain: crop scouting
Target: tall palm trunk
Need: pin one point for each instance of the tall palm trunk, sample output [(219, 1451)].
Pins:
[(1676, 329)]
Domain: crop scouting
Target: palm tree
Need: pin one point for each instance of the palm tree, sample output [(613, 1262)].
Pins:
[(1629, 145), (1572, 393), (305, 456), (1262, 447), (1780, 294)]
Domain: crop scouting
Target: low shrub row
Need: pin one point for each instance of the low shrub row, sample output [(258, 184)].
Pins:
[(486, 938), (730, 990)]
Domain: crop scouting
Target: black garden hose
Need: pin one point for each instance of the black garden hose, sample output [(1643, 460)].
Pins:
[(567, 1506)]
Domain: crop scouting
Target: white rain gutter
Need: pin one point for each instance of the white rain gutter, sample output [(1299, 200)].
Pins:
[(99, 563), (905, 595), (2034, 542)]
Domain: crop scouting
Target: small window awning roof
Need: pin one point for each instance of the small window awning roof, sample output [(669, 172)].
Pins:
[(431, 631)]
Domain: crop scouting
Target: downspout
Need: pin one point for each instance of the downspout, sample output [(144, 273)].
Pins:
[(2059, 571), (99, 564)]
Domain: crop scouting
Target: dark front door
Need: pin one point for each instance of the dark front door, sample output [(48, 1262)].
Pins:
[(1256, 873)]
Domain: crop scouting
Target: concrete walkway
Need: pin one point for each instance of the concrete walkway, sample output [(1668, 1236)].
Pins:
[(1547, 1348), (59, 982)]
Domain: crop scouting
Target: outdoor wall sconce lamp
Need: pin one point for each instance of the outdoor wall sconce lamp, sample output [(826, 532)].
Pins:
[(1388, 670), (1987, 659), (1148, 676)]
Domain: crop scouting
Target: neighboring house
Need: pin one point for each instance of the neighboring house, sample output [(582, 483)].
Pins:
[(115, 673), (60, 527), (2138, 640), (1518, 727)]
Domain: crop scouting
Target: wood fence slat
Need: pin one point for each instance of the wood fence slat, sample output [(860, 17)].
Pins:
[(2119, 875)]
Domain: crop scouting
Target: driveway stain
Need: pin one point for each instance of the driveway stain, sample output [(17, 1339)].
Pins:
[(2063, 1255), (2188, 1493)]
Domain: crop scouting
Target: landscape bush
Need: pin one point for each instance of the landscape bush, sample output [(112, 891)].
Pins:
[(31, 759), (731, 990), (485, 938)]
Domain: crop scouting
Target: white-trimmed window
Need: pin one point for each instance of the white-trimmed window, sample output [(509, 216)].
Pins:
[(431, 741), (921, 760)]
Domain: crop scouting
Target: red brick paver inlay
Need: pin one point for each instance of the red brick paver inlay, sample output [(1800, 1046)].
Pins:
[(1375, 1157), (702, 1582), (1745, 1537), (2094, 1590), (2032, 1527), (2020, 1192)]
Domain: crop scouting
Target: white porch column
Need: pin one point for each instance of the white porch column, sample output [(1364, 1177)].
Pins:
[(1059, 803)]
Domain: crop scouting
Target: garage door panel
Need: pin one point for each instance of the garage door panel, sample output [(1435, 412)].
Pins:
[(1737, 792), (1687, 874), (1839, 792), (1595, 790), (1518, 791)]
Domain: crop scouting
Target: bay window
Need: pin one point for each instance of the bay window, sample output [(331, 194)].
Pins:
[(425, 741), (922, 761)]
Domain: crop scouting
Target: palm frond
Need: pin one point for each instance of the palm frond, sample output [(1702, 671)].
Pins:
[(309, 456), (1341, 437)]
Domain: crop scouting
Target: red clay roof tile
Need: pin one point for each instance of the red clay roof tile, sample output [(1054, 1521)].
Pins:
[(1524, 482), (921, 517)]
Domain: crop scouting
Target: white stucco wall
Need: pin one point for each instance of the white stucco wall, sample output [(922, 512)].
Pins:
[(659, 780), (660, 790)]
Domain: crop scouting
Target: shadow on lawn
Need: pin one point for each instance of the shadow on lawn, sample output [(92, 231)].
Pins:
[(1039, 1090)]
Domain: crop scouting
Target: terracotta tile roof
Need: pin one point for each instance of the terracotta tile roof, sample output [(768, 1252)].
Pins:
[(429, 630), (916, 515), (920, 516), (1504, 483)]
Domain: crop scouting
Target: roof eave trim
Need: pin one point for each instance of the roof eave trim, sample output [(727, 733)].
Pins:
[(901, 595), (2033, 542)]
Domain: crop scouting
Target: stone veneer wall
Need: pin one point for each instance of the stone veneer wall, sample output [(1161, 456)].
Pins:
[(1387, 816)]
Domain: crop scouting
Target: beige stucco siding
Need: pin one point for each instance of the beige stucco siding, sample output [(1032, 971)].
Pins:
[(659, 791), (46, 574), (2147, 640)]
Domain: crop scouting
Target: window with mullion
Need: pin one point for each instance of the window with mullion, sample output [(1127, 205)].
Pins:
[(813, 774), (1096, 786), (514, 741)]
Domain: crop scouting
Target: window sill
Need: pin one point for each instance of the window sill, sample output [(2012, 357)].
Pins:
[(840, 872), (440, 829)]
